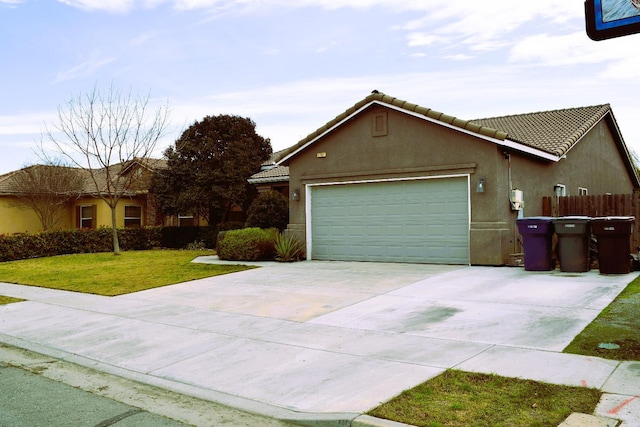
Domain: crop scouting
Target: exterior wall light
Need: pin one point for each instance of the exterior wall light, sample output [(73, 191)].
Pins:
[(296, 195), (480, 185)]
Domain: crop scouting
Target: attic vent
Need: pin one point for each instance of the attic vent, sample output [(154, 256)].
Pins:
[(379, 126)]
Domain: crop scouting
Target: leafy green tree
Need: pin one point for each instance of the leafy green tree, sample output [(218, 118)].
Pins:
[(208, 168), (269, 210)]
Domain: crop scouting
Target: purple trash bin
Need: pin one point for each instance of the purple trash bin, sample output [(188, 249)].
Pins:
[(537, 234)]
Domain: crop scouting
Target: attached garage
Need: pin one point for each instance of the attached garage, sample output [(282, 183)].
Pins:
[(414, 221)]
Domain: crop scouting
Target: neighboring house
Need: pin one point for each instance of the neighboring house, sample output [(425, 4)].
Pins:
[(272, 177), (87, 210), (392, 181)]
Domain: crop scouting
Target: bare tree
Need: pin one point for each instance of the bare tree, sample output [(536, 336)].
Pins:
[(46, 189), (103, 133)]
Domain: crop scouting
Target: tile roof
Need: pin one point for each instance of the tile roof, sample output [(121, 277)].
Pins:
[(89, 188), (554, 132), (274, 174)]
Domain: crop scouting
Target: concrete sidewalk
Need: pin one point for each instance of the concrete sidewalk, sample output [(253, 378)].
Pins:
[(323, 342)]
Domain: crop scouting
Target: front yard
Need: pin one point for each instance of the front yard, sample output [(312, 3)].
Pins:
[(109, 275), (452, 399)]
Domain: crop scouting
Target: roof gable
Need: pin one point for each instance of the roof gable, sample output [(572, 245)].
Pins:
[(400, 105)]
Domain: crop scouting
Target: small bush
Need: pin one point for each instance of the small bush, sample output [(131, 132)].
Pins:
[(198, 245), (269, 210), (288, 248), (248, 244)]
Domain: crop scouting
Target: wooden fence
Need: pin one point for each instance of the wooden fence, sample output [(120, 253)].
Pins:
[(596, 206)]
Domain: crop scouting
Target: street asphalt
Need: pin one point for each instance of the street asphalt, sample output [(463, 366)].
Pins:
[(321, 343)]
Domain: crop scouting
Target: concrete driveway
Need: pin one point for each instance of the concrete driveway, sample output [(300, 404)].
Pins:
[(322, 340)]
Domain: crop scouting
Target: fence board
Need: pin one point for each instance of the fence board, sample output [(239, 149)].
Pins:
[(596, 206)]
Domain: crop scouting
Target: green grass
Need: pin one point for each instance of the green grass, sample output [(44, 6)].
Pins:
[(8, 300), (107, 274), (458, 398), (619, 324)]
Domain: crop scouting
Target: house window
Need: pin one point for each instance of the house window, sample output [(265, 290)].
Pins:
[(86, 216), (132, 216), (583, 191), (560, 190), (186, 221)]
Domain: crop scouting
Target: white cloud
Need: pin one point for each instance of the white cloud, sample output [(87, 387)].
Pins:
[(459, 57), (421, 39), (25, 124), (116, 6), (575, 49), (84, 69)]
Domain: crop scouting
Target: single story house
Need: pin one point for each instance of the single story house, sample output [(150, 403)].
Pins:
[(86, 210), (391, 181)]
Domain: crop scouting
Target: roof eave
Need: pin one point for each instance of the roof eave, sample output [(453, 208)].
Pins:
[(268, 180), (526, 149)]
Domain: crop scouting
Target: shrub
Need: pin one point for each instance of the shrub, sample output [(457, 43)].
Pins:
[(248, 244), (269, 210), (288, 248), (51, 243)]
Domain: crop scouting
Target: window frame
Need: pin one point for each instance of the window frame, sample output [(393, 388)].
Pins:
[(136, 219), (82, 218)]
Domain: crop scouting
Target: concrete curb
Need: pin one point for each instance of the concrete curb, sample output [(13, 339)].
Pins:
[(584, 420), (368, 421), (223, 399)]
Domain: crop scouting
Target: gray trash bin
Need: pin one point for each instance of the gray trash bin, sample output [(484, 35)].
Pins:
[(573, 234)]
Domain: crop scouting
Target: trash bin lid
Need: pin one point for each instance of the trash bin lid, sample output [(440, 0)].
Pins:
[(535, 225), (615, 218), (536, 219), (576, 218)]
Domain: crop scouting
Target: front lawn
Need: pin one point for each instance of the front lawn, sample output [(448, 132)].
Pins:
[(108, 274), (618, 324), (458, 398)]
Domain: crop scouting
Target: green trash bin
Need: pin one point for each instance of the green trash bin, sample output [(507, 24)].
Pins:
[(614, 243), (573, 243)]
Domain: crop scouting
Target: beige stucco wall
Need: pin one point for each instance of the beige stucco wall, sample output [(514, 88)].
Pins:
[(15, 219), (413, 147)]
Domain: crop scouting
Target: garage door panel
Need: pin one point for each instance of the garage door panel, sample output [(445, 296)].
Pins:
[(423, 221)]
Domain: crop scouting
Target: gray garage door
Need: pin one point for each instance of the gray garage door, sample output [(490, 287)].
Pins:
[(422, 221)]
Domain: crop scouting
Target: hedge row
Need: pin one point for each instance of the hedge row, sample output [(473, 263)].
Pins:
[(23, 246)]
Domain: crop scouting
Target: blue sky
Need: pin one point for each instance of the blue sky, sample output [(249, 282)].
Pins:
[(293, 65)]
